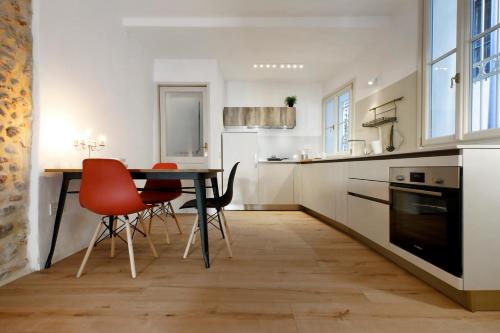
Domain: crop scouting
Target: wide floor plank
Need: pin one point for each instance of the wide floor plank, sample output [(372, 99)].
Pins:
[(290, 273)]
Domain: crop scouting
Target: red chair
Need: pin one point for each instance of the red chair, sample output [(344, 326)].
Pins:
[(108, 189), (158, 194)]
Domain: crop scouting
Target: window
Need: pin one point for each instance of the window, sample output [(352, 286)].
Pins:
[(441, 70), (461, 36), (485, 66), (336, 121)]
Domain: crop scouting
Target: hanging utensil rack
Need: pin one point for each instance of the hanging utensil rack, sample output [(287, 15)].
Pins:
[(380, 120)]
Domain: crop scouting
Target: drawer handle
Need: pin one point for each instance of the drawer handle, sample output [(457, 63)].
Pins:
[(413, 190)]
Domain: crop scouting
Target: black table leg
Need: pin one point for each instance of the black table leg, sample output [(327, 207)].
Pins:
[(57, 223), (199, 184)]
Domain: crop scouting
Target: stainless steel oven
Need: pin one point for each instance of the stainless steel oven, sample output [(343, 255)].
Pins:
[(426, 214)]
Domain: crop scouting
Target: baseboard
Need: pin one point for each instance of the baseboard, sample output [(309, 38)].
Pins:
[(265, 207)]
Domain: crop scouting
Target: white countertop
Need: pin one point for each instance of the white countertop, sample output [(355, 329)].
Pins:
[(420, 150)]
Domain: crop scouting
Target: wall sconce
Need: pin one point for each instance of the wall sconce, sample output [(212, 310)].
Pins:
[(373, 82), (90, 144)]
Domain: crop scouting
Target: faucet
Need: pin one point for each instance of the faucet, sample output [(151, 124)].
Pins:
[(364, 146)]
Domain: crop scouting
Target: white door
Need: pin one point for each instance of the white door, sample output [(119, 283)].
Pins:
[(241, 147), (183, 126)]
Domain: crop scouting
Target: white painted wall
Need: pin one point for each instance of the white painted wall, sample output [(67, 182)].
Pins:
[(394, 63), (307, 133), (395, 57), (196, 71), (87, 76)]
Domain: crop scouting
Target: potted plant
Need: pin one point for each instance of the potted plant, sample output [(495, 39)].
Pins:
[(290, 101)]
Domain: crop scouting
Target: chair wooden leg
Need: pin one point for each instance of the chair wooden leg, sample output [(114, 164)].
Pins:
[(113, 239), (89, 249), (150, 219), (175, 217), (164, 218), (130, 248), (191, 238), (226, 239), (143, 225), (226, 231)]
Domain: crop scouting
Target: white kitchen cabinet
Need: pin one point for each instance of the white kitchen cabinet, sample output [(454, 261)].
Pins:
[(340, 188), (324, 189), (241, 147), (370, 219), (318, 188), (276, 183)]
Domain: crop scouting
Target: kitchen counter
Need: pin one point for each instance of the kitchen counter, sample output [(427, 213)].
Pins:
[(449, 150)]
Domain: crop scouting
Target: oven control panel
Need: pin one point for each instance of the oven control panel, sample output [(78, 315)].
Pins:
[(448, 177)]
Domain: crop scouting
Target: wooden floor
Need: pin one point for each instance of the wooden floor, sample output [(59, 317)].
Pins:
[(290, 273)]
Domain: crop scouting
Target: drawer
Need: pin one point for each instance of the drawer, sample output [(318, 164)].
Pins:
[(369, 188), (370, 219), (370, 170)]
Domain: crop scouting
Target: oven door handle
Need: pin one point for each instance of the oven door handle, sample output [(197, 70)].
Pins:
[(413, 190)]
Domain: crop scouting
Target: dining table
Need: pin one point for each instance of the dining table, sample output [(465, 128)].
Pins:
[(198, 176)]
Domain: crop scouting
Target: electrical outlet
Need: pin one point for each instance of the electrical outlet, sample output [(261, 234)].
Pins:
[(53, 208)]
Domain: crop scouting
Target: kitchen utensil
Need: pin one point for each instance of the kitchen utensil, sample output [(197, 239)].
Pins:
[(390, 147)]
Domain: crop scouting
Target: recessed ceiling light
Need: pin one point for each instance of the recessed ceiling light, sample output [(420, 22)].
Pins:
[(301, 66), (294, 66), (268, 66), (255, 66), (288, 66), (274, 66), (261, 66), (282, 66)]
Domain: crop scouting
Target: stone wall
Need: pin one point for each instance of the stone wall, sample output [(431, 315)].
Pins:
[(15, 133)]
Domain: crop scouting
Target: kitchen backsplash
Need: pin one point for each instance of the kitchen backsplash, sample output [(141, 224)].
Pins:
[(287, 146)]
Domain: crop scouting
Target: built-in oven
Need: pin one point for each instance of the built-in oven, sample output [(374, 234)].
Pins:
[(426, 214)]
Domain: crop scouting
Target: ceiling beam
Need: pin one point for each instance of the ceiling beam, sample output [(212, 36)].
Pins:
[(258, 22)]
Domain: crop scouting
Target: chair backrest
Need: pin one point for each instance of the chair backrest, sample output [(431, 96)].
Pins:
[(228, 196), (174, 186), (108, 189)]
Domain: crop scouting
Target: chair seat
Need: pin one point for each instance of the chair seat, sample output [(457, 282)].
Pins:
[(151, 197), (210, 203)]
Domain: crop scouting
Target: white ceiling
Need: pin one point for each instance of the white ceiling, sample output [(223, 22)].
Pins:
[(324, 35)]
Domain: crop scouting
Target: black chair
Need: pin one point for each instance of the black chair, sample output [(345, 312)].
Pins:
[(218, 204)]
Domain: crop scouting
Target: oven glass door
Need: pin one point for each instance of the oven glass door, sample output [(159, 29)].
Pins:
[(426, 221)]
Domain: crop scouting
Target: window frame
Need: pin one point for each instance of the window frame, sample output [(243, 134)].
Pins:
[(468, 134), (426, 67), (335, 96), (463, 112)]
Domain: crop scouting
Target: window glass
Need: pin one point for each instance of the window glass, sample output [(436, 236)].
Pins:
[(329, 127), (442, 69), (337, 112), (484, 110), (343, 121), (444, 27), (442, 117)]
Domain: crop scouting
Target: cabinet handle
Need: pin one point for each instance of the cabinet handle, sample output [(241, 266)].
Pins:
[(412, 190), (256, 160)]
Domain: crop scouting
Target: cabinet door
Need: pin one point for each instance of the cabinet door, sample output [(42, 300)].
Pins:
[(241, 147), (340, 187), (276, 183), (318, 188), (370, 219)]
